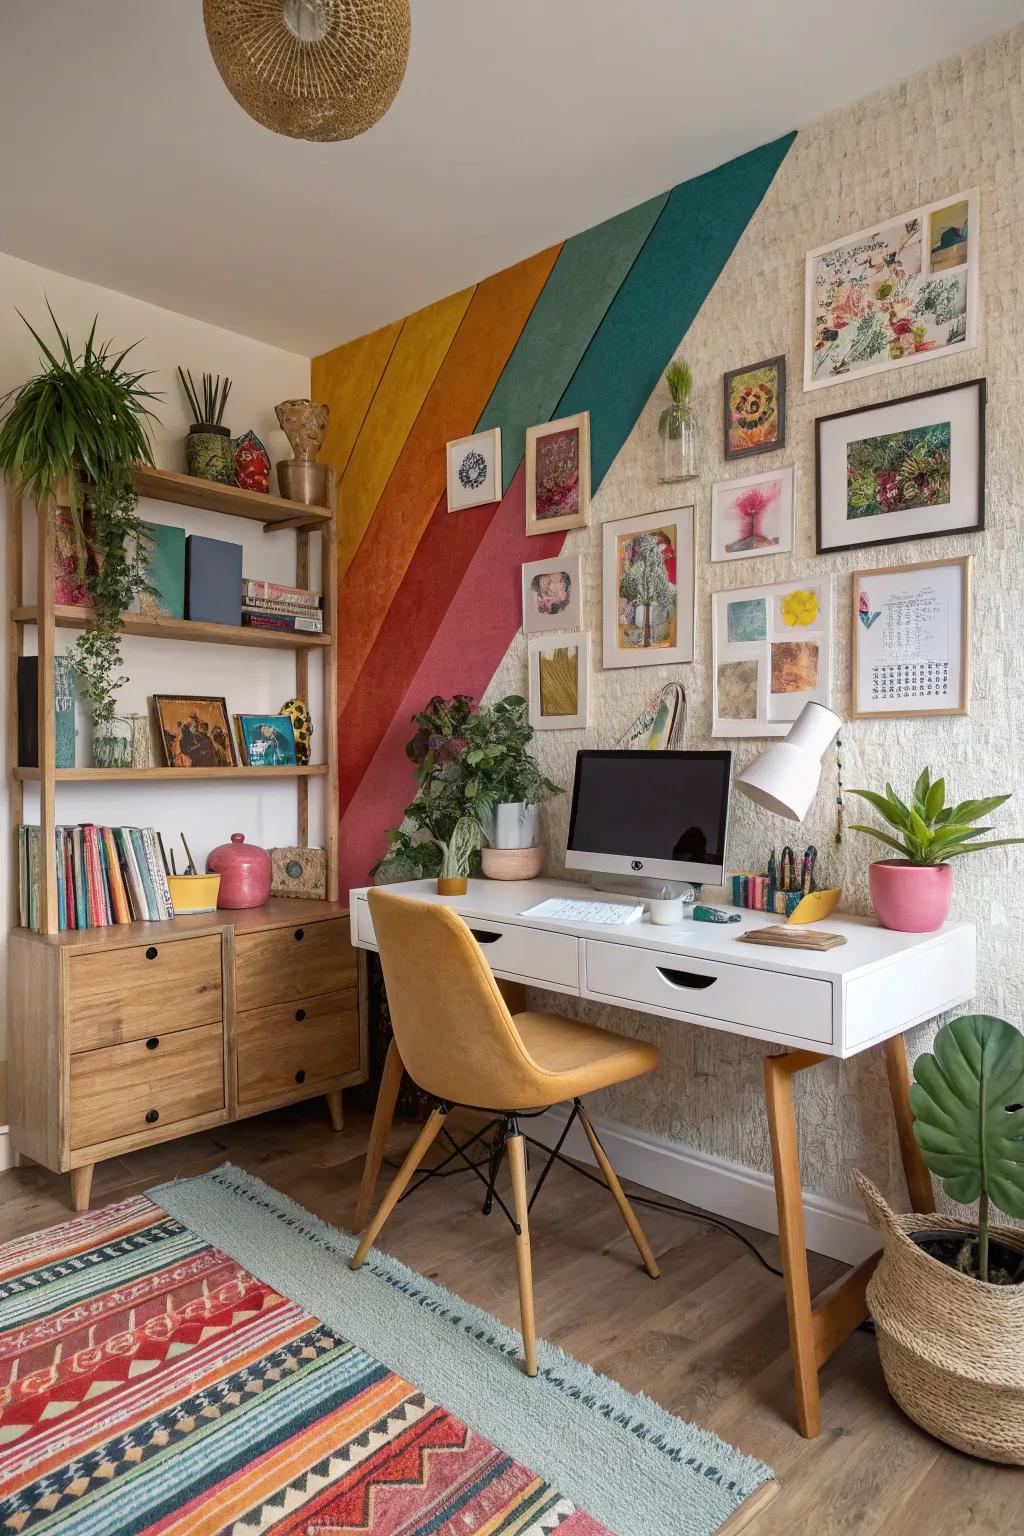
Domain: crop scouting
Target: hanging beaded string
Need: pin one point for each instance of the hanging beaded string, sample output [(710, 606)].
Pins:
[(840, 807)]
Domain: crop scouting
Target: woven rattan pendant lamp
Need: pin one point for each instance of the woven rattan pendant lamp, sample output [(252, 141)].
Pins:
[(311, 69)]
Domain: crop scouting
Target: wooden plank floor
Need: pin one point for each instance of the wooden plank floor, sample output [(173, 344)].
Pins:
[(708, 1340)]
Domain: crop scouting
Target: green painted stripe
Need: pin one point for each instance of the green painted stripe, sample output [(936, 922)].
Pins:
[(584, 281), (672, 276)]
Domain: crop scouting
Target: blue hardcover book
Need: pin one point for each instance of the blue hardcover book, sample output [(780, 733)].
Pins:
[(213, 580)]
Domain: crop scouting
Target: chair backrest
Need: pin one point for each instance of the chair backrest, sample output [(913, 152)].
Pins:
[(456, 1036)]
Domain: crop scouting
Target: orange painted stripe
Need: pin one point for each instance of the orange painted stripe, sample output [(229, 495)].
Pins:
[(482, 346), (347, 378), (412, 367)]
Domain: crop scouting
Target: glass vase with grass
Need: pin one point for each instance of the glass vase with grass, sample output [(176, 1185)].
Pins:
[(677, 426)]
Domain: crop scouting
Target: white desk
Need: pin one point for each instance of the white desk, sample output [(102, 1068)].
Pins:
[(835, 1002)]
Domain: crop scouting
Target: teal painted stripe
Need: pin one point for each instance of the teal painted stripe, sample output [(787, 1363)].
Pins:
[(570, 307), (672, 276)]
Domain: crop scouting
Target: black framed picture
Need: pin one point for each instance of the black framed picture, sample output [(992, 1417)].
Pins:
[(754, 408), (907, 469)]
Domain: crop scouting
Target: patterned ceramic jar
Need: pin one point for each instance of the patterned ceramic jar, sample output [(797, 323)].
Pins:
[(210, 453)]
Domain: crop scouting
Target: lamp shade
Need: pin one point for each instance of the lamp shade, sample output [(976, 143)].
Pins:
[(785, 778)]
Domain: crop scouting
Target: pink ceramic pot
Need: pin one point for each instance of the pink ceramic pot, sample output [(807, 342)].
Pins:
[(912, 898), (244, 872)]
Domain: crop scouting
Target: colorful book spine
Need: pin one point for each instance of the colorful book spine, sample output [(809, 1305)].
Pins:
[(310, 626), (158, 873), (95, 886), (138, 844), (62, 895), (278, 605), (276, 591), (33, 879), (69, 878), (133, 875), (118, 894)]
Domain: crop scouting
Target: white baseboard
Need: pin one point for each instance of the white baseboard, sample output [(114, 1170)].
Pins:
[(6, 1150), (726, 1189)]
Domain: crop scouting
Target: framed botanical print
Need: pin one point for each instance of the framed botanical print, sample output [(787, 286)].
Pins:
[(906, 469), (559, 681), (474, 470), (558, 474), (770, 655), (194, 731), (552, 594), (648, 602), (755, 408), (753, 516), (911, 640)]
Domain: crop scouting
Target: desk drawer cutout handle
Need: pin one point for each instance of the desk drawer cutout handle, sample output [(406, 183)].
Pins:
[(689, 979), (485, 935)]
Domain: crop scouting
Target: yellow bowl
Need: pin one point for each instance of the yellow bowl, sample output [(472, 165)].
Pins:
[(193, 893)]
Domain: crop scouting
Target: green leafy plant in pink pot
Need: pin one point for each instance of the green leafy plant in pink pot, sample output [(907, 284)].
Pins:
[(912, 893)]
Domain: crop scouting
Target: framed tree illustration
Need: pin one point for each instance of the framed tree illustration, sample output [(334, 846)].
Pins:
[(649, 589)]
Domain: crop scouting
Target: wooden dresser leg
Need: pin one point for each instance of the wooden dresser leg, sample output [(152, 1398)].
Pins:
[(81, 1186), (336, 1109), (383, 1116), (919, 1180)]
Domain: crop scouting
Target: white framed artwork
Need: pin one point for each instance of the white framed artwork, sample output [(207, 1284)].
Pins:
[(910, 649), (559, 668), (552, 594), (558, 475), (648, 601), (771, 654), (753, 516), (474, 470)]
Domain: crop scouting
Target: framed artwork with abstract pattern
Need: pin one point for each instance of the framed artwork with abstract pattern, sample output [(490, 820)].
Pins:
[(754, 407), (474, 470), (558, 475)]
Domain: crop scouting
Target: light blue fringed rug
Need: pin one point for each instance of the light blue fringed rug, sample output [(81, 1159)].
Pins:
[(611, 1455)]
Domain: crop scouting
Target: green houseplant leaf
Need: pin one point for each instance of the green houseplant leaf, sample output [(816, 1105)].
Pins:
[(928, 830)]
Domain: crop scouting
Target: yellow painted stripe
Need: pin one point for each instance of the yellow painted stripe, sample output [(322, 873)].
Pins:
[(347, 377), (417, 356)]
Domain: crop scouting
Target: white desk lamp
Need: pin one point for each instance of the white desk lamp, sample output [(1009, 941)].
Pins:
[(785, 778)]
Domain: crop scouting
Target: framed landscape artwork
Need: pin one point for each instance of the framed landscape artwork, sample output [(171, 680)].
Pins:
[(910, 646), (908, 469), (753, 516), (771, 655), (648, 603), (559, 681), (474, 470), (558, 474), (755, 408), (552, 594), (903, 291), (194, 731), (266, 741)]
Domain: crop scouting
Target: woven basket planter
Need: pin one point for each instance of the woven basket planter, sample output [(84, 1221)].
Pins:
[(952, 1348)]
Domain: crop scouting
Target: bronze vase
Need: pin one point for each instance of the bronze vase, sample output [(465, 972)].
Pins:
[(301, 478)]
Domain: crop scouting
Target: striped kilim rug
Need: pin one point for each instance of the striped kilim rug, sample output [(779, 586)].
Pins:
[(152, 1383)]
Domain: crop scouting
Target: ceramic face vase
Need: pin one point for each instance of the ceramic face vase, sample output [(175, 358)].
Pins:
[(244, 871), (304, 423)]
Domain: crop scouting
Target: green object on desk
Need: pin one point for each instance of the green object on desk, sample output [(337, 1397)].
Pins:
[(714, 915)]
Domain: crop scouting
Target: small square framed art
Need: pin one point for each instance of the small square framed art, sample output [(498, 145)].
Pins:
[(194, 731), (474, 470), (552, 594), (559, 681), (266, 741), (754, 408), (753, 516)]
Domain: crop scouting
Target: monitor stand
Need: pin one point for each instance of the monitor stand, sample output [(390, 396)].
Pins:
[(641, 887)]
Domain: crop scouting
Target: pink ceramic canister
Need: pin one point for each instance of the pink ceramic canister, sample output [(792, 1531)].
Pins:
[(912, 898), (244, 871)]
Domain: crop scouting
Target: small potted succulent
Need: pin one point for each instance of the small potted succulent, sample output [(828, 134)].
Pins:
[(912, 893), (677, 426), (208, 446)]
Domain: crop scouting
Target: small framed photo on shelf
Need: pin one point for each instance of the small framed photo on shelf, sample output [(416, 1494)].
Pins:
[(266, 741), (195, 731), (753, 516), (911, 642), (474, 470), (559, 681), (552, 596), (558, 475), (754, 407), (908, 469), (648, 602)]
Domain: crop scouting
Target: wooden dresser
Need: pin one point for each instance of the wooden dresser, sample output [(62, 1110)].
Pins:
[(121, 1037)]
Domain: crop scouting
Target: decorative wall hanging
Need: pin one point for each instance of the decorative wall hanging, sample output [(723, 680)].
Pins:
[(474, 470), (559, 682), (900, 292), (771, 655), (753, 516), (558, 474), (311, 69), (909, 469), (754, 408), (648, 602), (910, 651), (552, 594)]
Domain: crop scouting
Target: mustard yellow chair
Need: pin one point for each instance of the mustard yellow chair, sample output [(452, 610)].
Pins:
[(461, 1045)]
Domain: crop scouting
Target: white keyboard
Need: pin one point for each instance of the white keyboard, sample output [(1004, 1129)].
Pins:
[(557, 910)]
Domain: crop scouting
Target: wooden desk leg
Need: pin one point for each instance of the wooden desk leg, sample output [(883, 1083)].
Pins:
[(919, 1180), (383, 1116)]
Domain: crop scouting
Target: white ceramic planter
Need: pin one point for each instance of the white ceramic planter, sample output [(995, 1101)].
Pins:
[(515, 825)]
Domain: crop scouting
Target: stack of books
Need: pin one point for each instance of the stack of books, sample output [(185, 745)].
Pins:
[(272, 605), (104, 875)]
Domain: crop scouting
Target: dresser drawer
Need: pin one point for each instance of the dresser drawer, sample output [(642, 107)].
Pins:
[(778, 1006), (126, 1090), (528, 954), (149, 989), (297, 1045), (278, 964)]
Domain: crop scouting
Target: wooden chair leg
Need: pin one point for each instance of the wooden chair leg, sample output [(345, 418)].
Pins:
[(524, 1269), (611, 1178), (414, 1157), (919, 1180), (383, 1116)]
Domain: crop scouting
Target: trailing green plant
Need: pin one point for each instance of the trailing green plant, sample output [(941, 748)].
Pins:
[(679, 378), (967, 1099), (928, 831), (215, 397), (501, 770)]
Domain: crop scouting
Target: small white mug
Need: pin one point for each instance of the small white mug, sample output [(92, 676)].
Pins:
[(664, 912)]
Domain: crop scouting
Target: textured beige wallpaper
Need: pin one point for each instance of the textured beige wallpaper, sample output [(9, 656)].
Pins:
[(956, 126)]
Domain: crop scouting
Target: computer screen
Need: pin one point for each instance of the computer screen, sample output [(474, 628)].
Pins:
[(650, 814)]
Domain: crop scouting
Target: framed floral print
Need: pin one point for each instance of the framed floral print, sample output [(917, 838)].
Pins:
[(558, 474), (474, 470), (753, 516), (755, 408), (552, 594)]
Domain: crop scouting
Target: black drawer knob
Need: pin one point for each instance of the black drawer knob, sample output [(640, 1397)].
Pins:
[(152, 1116), (151, 952), (300, 1014), (300, 1076), (152, 1042), (300, 933)]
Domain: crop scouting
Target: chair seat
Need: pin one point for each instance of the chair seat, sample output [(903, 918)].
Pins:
[(576, 1058)]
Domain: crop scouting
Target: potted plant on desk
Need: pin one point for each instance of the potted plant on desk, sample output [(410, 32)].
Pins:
[(912, 893), (504, 785)]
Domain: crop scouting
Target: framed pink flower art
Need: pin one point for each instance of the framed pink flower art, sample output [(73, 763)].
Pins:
[(752, 516), (558, 475)]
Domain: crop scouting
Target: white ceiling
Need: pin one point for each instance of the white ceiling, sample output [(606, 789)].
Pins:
[(125, 161)]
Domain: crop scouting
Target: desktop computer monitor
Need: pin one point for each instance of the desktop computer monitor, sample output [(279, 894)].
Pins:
[(650, 818)]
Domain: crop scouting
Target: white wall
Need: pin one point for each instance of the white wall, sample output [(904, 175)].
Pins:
[(250, 680)]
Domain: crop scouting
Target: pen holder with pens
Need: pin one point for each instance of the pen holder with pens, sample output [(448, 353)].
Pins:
[(781, 888)]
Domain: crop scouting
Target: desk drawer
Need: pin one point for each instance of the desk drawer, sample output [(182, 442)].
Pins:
[(529, 954), (292, 1047), (276, 965), (777, 1005), (127, 1090), (147, 989)]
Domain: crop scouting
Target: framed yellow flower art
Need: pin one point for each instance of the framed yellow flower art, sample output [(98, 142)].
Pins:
[(771, 655)]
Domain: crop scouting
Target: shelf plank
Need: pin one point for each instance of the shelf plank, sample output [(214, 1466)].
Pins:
[(144, 775), (185, 629), (189, 491)]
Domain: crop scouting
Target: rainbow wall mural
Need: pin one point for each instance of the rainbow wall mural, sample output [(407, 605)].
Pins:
[(428, 602)]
